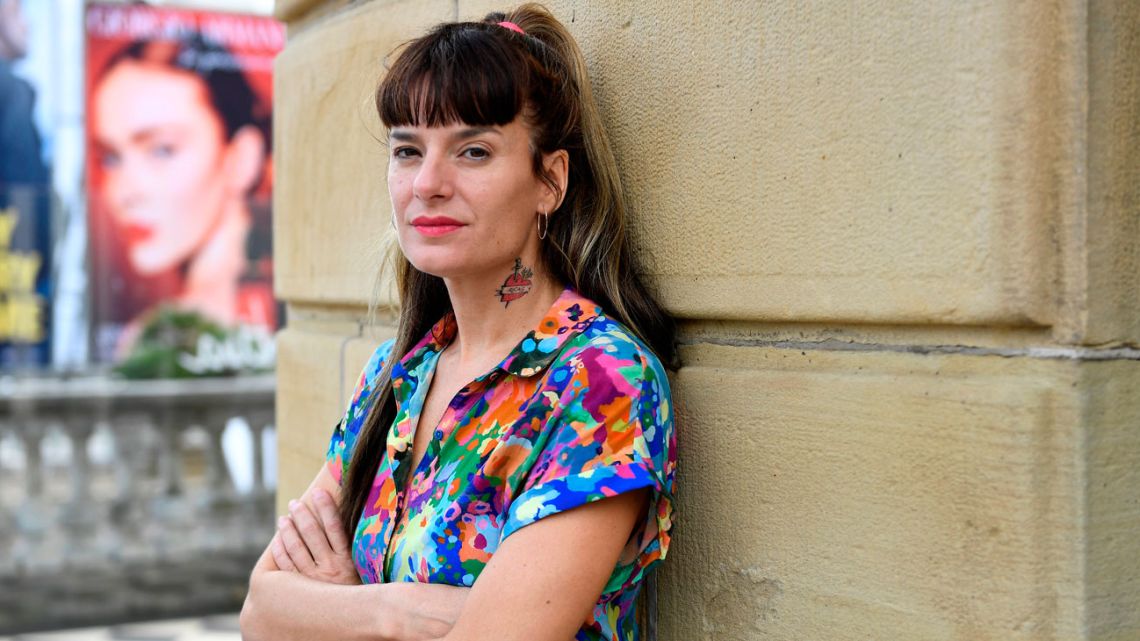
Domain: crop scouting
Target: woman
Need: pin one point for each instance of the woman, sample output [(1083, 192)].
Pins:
[(506, 464), (182, 141)]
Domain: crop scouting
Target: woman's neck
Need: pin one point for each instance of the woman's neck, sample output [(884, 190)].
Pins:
[(494, 312), (214, 273)]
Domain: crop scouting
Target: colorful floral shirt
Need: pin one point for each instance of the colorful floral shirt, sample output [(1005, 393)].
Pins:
[(579, 411)]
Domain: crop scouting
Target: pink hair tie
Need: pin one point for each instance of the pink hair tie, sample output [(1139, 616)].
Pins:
[(512, 26)]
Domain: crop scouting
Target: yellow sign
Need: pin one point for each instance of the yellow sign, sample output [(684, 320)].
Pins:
[(21, 308)]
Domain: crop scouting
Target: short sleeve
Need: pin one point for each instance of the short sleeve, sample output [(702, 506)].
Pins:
[(614, 434), (344, 434)]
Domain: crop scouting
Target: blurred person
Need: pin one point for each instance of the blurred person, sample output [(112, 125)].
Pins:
[(25, 182), (19, 138), (182, 141)]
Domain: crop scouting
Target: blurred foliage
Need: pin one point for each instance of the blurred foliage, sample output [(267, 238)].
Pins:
[(169, 338)]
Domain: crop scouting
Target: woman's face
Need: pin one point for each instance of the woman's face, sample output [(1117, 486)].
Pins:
[(464, 198), (162, 150)]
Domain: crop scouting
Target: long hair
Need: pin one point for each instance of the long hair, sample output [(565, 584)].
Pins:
[(482, 74)]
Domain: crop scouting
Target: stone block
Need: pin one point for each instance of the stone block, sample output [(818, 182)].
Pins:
[(293, 9), (317, 373), (856, 495), (1111, 395), (1113, 251), (309, 382)]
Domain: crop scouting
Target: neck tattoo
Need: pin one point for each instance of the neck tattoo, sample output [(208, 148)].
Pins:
[(516, 285)]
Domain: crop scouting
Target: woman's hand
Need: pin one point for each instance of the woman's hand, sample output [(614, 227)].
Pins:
[(314, 545), (284, 603)]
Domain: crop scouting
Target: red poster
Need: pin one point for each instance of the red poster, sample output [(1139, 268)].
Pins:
[(180, 171)]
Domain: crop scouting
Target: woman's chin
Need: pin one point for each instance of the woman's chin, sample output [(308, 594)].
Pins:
[(148, 266), (442, 264), (439, 269)]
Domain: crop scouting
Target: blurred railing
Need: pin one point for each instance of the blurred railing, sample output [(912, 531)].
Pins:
[(117, 503)]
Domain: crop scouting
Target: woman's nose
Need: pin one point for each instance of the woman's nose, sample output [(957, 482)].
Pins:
[(124, 186), (433, 178)]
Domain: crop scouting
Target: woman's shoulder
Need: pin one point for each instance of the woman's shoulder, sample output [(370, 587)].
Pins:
[(371, 371), (607, 376), (607, 347), (379, 357)]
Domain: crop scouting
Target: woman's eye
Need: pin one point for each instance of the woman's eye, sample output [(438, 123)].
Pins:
[(162, 151), (109, 160), (476, 153), (404, 152)]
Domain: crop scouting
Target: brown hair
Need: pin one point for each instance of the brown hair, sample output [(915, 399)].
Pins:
[(482, 73)]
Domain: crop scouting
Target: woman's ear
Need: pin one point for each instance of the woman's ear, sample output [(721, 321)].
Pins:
[(556, 168), (245, 157)]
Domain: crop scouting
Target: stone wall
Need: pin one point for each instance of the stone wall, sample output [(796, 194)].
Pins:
[(903, 241)]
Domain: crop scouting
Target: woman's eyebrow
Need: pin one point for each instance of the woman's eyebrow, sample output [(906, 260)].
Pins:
[(471, 132), (402, 135), (143, 136)]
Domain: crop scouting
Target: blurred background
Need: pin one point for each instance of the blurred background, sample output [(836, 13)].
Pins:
[(136, 308)]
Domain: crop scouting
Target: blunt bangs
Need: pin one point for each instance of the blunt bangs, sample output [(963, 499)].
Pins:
[(458, 73)]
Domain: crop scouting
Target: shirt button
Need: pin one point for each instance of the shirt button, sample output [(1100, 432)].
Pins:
[(438, 435)]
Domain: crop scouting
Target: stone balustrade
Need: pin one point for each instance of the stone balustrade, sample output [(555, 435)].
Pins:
[(117, 501)]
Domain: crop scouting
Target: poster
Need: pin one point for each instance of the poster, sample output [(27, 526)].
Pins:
[(25, 204), (179, 166)]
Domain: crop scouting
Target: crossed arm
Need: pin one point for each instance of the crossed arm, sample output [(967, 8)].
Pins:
[(539, 585)]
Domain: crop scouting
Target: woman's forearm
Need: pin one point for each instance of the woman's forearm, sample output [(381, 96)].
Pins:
[(421, 611), (286, 605)]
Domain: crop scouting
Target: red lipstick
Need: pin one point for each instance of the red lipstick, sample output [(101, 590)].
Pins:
[(135, 233), (435, 225)]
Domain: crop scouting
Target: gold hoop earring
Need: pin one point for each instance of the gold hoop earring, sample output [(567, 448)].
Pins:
[(543, 223)]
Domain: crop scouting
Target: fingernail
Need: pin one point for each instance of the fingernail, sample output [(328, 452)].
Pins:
[(293, 504), (282, 522)]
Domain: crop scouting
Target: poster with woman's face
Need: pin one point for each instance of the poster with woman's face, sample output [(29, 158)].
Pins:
[(179, 170)]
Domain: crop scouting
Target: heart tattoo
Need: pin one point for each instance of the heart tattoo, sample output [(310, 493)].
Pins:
[(516, 285)]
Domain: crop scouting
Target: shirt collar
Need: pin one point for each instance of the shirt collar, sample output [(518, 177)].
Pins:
[(567, 317)]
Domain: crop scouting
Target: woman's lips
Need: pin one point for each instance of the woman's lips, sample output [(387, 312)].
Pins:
[(436, 225), (136, 234)]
